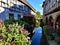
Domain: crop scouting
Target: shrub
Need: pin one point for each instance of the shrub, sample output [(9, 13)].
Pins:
[(58, 31), (44, 29), (12, 21), (14, 34)]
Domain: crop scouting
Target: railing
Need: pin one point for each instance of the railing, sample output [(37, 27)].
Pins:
[(53, 7), (59, 2)]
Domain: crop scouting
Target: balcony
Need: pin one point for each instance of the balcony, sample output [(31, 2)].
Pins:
[(52, 8)]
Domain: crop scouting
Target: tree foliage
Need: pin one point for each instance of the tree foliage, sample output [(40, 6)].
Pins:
[(38, 17)]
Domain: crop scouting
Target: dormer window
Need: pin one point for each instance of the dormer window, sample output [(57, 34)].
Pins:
[(49, 1), (18, 0)]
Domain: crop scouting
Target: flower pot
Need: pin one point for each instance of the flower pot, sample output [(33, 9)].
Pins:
[(48, 38), (11, 43), (57, 39), (18, 43), (58, 42)]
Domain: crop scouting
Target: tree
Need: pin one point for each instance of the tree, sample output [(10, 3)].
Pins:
[(38, 17)]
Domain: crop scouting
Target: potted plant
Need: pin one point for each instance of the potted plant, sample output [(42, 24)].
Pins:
[(57, 37), (14, 35)]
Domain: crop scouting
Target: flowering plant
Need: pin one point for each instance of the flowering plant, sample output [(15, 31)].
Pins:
[(14, 34)]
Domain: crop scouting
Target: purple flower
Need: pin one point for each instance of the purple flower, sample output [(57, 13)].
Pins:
[(27, 38), (1, 36), (7, 30), (20, 32)]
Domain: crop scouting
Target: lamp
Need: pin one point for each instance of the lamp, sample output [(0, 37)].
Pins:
[(21, 16), (1, 9)]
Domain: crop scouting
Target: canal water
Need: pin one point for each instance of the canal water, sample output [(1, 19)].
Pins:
[(36, 38)]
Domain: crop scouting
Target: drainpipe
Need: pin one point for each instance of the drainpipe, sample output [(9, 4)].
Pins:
[(1, 10), (57, 3), (54, 23)]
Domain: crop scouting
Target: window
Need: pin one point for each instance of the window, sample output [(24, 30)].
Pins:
[(12, 1), (21, 3), (0, 3), (4, 1), (17, 4), (3, 5), (59, 1), (18, 0), (9, 2), (11, 16), (54, 1), (25, 8), (15, 1), (6, 5), (0, 0), (21, 7), (19, 16), (49, 0)]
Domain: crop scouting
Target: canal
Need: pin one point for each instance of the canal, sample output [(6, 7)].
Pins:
[(36, 38)]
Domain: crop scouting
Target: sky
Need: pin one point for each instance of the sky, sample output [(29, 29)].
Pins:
[(37, 4)]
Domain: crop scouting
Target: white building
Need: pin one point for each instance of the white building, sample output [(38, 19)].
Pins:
[(14, 9)]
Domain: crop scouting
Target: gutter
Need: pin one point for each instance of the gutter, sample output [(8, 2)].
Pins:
[(27, 4)]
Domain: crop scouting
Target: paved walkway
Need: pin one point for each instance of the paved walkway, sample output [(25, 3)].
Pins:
[(52, 43), (36, 39)]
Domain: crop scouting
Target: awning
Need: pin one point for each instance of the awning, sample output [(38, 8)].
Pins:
[(28, 15)]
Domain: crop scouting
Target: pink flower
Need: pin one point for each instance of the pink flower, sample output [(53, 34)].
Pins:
[(1, 23), (27, 38), (1, 37), (22, 30)]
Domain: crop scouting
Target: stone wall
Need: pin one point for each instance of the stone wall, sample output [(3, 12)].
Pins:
[(54, 17)]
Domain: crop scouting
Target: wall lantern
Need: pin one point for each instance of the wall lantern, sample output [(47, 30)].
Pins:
[(21, 16), (1, 9)]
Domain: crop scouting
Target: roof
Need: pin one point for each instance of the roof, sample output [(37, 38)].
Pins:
[(29, 15), (30, 6)]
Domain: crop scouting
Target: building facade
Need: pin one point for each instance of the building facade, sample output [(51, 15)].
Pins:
[(15, 9), (51, 12)]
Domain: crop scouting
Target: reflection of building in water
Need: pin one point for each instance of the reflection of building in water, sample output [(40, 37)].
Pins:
[(51, 11), (15, 9)]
